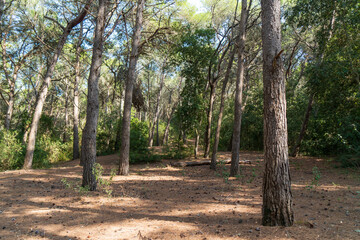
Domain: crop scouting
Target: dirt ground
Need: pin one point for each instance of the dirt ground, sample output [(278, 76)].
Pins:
[(157, 201)]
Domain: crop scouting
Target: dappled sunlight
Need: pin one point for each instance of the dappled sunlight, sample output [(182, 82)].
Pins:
[(170, 203)]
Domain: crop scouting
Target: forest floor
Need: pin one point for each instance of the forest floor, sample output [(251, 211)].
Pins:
[(157, 201)]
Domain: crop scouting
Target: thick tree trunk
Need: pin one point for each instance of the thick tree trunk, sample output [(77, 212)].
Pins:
[(221, 110), (76, 107), (303, 127), (125, 138), (45, 87), (277, 196), (235, 150), (157, 109), (209, 119), (88, 143)]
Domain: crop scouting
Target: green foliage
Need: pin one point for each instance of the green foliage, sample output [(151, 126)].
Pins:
[(48, 152), (139, 151), (178, 151), (139, 136), (103, 184), (195, 53), (12, 151)]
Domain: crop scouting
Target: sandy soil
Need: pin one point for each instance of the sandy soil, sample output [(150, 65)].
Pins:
[(157, 201)]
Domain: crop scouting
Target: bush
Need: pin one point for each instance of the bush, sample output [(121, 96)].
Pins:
[(178, 151), (12, 151), (48, 151)]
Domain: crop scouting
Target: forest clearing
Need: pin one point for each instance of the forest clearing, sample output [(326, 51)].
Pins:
[(157, 201)]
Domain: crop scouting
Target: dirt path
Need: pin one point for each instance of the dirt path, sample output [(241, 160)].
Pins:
[(157, 201)]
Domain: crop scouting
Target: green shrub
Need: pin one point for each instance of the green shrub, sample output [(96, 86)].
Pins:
[(139, 136), (178, 151), (12, 151), (48, 151)]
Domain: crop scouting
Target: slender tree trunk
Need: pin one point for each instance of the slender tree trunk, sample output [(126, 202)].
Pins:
[(11, 101), (157, 133), (88, 143), (221, 110), (45, 87), (118, 128), (303, 127), (277, 196), (197, 138), (76, 107), (65, 139), (209, 119), (2, 6), (125, 138), (235, 150), (166, 132), (157, 109)]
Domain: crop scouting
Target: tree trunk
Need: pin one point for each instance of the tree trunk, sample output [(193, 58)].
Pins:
[(65, 139), (209, 119), (277, 196), (10, 108), (235, 150), (221, 110), (45, 87), (76, 148), (157, 133), (197, 138), (88, 143), (157, 109), (125, 138), (303, 127)]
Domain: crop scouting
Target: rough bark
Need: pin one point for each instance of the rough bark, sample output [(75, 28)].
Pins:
[(76, 107), (125, 138), (221, 110), (277, 196), (235, 150), (46, 84), (304, 125), (88, 143)]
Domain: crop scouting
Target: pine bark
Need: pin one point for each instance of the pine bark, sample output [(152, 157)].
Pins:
[(277, 196), (46, 84), (235, 150), (125, 138), (88, 143)]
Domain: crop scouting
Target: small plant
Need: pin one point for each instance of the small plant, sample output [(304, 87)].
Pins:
[(74, 186), (253, 176), (103, 184), (316, 177), (224, 173), (66, 183)]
